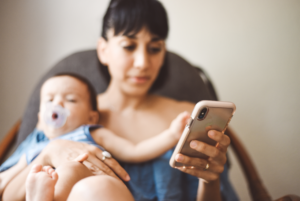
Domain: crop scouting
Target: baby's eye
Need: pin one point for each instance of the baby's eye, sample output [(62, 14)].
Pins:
[(129, 47), (72, 100), (49, 99)]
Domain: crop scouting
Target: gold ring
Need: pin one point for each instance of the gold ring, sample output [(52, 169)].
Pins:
[(207, 166)]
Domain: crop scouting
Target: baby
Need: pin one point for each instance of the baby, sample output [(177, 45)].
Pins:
[(68, 110)]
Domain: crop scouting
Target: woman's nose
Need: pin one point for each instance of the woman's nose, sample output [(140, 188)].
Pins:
[(141, 59)]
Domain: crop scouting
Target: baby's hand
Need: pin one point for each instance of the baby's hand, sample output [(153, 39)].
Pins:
[(178, 124)]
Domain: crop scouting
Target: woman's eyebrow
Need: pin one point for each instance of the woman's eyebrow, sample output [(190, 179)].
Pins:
[(131, 36), (154, 39)]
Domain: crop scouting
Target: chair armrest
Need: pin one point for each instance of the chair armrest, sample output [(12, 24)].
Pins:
[(257, 190), (8, 139), (289, 198)]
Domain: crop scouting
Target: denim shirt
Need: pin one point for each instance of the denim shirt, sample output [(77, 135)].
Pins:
[(155, 180)]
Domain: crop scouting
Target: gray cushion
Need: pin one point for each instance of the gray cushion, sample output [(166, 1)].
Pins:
[(182, 83)]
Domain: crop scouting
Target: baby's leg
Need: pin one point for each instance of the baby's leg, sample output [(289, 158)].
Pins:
[(69, 174), (40, 183), (102, 187)]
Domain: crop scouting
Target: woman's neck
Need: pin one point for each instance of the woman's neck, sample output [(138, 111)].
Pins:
[(118, 100)]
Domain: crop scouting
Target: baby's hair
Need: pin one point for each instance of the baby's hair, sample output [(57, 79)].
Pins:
[(91, 89)]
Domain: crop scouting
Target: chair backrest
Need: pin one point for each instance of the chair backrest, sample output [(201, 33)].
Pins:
[(182, 83)]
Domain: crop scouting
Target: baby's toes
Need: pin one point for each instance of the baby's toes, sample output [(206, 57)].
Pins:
[(48, 169), (54, 176), (36, 168)]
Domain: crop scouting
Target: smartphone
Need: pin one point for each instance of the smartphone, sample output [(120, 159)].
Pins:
[(207, 115)]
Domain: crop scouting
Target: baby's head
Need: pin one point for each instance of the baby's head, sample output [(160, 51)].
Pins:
[(77, 99)]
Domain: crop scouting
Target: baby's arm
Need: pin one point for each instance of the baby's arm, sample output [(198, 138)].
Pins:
[(8, 175), (151, 148)]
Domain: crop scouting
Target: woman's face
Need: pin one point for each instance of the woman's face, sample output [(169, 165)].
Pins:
[(133, 61)]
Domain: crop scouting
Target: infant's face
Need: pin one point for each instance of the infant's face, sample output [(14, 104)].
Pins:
[(71, 94)]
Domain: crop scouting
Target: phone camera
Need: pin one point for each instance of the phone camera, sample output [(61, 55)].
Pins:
[(202, 114)]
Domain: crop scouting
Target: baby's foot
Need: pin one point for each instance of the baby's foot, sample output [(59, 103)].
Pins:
[(40, 183)]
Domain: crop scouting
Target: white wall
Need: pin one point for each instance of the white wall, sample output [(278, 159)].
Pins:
[(250, 49)]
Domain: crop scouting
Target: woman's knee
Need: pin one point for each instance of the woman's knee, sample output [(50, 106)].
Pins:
[(102, 186)]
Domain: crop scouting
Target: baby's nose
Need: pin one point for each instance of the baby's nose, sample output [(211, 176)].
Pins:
[(58, 101)]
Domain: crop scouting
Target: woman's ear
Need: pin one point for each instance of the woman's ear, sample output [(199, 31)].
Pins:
[(94, 117), (101, 50)]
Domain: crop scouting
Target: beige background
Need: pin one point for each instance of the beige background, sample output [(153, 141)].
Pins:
[(250, 49)]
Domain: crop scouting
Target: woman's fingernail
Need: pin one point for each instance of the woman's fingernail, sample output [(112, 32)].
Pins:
[(193, 144), (179, 158), (211, 133), (127, 178)]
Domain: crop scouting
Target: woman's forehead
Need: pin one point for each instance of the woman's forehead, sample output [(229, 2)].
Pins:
[(143, 33)]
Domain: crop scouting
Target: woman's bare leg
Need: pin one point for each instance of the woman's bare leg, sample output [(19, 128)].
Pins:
[(102, 187)]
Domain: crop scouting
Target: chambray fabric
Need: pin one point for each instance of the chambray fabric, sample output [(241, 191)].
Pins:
[(155, 180), (37, 141)]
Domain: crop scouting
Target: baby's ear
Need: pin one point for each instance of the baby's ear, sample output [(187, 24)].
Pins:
[(94, 117)]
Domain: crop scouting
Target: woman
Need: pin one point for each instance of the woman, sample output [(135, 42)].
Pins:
[(132, 50)]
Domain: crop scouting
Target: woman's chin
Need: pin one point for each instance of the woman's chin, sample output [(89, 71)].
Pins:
[(136, 89)]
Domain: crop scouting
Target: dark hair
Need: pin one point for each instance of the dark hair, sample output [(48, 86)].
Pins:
[(91, 89), (129, 17)]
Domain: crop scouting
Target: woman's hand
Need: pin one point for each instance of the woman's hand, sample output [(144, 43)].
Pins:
[(210, 169), (59, 151)]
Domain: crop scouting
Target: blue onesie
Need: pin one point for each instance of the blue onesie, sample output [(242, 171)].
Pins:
[(37, 141)]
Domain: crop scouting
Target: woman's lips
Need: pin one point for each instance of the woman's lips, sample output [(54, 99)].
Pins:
[(139, 79)]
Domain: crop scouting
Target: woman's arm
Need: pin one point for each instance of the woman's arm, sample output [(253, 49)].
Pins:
[(8, 175), (209, 179), (60, 151), (151, 148)]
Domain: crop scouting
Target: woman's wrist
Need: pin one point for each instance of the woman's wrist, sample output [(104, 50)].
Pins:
[(209, 190)]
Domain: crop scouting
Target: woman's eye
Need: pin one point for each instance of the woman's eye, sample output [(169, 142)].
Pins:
[(129, 47), (154, 50)]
